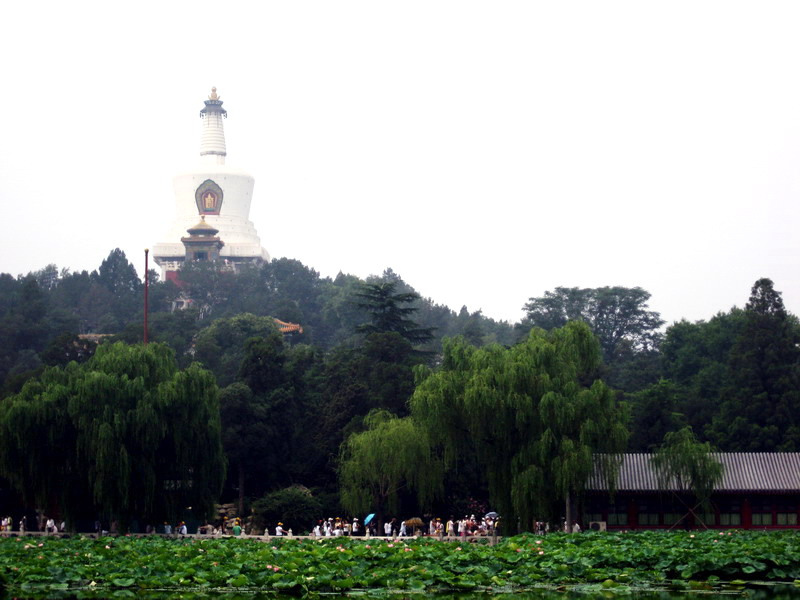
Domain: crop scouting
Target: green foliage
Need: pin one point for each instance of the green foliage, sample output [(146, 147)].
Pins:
[(683, 463), (593, 563), (256, 435), (385, 366), (47, 303), (208, 286), (118, 275), (390, 312), (391, 455), (618, 316), (125, 434), (294, 506), (176, 329), (734, 379), (696, 359), (262, 368), (376, 374), (736, 376), (533, 425), (66, 348), (759, 411), (221, 346), (123, 289), (654, 413), (256, 438)]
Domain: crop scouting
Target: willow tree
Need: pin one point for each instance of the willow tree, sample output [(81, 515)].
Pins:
[(684, 464), (532, 414), (125, 435), (391, 455)]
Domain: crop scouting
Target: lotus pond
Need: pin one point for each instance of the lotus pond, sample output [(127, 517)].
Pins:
[(641, 565)]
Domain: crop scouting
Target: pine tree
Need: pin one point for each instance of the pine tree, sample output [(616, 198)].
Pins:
[(391, 311), (760, 410)]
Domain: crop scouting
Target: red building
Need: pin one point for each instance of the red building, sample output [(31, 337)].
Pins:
[(759, 490)]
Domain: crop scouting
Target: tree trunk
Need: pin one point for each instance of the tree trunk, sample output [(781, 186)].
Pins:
[(568, 513), (241, 491)]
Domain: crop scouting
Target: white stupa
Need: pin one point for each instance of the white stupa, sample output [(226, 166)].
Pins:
[(221, 195)]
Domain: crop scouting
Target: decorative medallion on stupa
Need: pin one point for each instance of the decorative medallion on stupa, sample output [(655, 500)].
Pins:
[(216, 195)]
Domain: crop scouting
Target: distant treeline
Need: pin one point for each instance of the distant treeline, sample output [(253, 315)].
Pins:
[(289, 402)]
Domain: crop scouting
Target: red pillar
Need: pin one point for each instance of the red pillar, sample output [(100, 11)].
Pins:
[(747, 514), (633, 513)]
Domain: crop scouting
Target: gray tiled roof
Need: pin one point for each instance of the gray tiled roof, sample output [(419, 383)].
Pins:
[(756, 471)]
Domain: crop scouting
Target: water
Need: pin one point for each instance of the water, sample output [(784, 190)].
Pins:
[(752, 592)]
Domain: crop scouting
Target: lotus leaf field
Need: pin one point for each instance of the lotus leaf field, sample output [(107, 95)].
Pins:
[(609, 561)]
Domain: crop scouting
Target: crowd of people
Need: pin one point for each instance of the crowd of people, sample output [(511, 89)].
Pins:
[(470, 525), (43, 523)]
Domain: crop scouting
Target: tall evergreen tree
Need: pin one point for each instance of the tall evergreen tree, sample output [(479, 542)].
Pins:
[(390, 312), (761, 410)]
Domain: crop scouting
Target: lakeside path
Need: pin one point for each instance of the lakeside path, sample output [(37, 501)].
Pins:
[(470, 539)]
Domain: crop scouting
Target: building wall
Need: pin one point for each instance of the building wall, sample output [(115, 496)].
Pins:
[(648, 510)]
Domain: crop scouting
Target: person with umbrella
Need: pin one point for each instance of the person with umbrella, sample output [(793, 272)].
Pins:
[(414, 523), (491, 521), (369, 523)]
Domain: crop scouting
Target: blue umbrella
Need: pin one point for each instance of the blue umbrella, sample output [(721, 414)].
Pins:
[(369, 518)]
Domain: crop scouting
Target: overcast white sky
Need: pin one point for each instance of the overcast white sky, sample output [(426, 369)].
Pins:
[(485, 151)]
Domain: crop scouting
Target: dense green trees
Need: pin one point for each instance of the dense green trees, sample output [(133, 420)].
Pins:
[(248, 434), (696, 362), (220, 347), (734, 379), (533, 413), (390, 312), (265, 409), (123, 435), (294, 506), (37, 308), (389, 456), (289, 403), (654, 413), (618, 316), (761, 405)]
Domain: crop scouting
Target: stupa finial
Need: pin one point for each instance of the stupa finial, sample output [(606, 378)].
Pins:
[(213, 95)]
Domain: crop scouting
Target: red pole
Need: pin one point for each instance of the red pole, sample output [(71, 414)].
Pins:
[(146, 288)]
